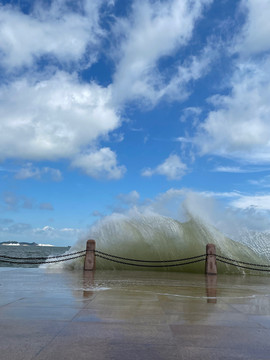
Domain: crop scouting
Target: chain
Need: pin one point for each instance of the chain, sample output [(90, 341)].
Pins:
[(243, 267), (40, 258), (40, 262), (151, 266), (148, 261), (116, 259), (241, 262)]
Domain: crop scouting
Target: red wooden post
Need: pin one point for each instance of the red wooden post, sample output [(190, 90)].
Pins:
[(211, 263), (90, 258)]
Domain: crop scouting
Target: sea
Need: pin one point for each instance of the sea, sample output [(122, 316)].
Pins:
[(29, 251), (152, 237)]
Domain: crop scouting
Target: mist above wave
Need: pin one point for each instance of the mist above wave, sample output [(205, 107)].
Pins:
[(156, 237), (155, 232)]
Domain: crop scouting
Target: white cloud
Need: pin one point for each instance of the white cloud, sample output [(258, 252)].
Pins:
[(190, 113), (46, 234), (30, 171), (48, 114), (51, 115), (231, 169), (130, 198), (193, 69), (229, 212), (14, 202), (260, 202), (173, 168), (263, 182), (57, 118), (254, 37), (240, 127), (239, 170), (152, 31), (99, 164), (55, 30)]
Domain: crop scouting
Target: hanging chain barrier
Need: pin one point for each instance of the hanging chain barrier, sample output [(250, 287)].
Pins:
[(234, 262), (131, 261), (41, 260), (179, 262)]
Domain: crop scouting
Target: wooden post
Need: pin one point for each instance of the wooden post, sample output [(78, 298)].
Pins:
[(90, 258), (211, 263)]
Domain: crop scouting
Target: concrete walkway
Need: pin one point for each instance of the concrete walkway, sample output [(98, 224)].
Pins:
[(132, 315)]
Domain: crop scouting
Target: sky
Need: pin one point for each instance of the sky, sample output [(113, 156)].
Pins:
[(111, 105)]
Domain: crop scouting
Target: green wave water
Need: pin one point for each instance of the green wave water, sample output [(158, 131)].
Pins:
[(155, 237)]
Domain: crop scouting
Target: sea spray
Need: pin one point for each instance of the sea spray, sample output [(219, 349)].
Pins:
[(178, 224), (156, 237)]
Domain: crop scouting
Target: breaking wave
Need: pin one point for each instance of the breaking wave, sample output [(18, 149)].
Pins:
[(157, 237)]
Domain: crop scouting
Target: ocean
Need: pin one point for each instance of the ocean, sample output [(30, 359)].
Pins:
[(28, 251), (154, 237)]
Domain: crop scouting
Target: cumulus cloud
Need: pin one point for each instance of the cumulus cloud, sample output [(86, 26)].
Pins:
[(173, 168), (58, 118), (53, 118), (239, 127), (259, 202), (54, 30), (254, 37), (52, 114), (47, 113), (152, 31), (99, 164)]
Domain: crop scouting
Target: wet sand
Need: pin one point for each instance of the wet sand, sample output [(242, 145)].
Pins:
[(132, 315)]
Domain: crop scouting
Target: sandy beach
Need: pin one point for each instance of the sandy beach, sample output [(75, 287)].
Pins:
[(132, 315)]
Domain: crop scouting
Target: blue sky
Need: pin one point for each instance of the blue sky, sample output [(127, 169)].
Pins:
[(110, 105)]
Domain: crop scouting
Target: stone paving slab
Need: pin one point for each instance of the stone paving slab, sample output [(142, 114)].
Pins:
[(132, 315)]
